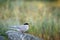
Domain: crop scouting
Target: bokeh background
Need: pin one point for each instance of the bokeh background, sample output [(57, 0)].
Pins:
[(43, 17)]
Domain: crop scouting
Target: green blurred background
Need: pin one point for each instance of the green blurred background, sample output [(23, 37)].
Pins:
[(43, 17)]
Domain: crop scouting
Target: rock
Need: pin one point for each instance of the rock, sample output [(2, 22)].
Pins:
[(1, 38), (30, 37), (13, 35)]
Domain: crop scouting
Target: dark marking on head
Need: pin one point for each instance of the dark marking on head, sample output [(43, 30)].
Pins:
[(26, 24)]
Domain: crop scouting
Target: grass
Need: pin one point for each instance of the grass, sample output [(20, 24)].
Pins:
[(43, 22)]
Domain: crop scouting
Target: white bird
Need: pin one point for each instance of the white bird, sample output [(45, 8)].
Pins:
[(21, 28)]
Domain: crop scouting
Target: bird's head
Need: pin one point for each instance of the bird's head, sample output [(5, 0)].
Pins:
[(26, 24)]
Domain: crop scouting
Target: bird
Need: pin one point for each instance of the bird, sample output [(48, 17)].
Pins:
[(20, 28)]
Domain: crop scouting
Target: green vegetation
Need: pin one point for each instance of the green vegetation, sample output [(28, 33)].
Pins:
[(44, 20)]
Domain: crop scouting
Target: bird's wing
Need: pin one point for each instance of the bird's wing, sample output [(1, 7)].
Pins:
[(20, 28), (24, 27)]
